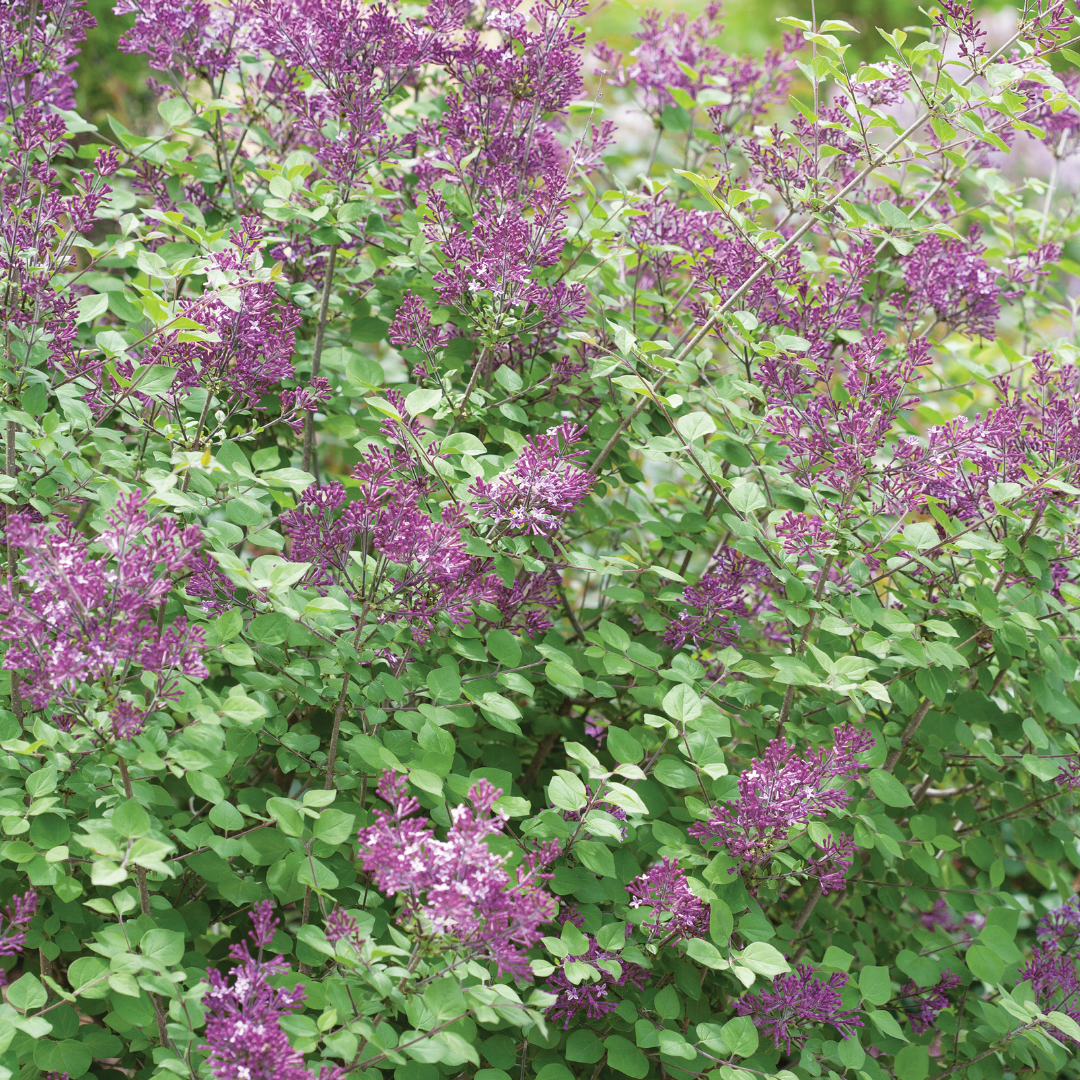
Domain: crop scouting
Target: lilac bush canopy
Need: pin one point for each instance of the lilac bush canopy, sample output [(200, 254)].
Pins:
[(524, 557)]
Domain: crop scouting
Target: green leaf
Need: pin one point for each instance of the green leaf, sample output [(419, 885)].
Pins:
[(682, 704), (129, 819), (623, 1056), (596, 857), (695, 425), (174, 111), (762, 958), (69, 1056), (912, 1063), (706, 953), (888, 789), (566, 791), (895, 217), (623, 746), (504, 647), (875, 985), (741, 1036), (444, 998), (746, 498), (985, 964), (226, 817), (674, 773), (886, 1023), (335, 826), (165, 947), (287, 815), (584, 1046), (420, 401), (461, 442), (92, 306), (27, 993), (1065, 1023), (86, 970), (575, 941)]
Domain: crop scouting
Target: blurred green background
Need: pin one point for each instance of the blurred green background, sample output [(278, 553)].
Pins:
[(112, 82)]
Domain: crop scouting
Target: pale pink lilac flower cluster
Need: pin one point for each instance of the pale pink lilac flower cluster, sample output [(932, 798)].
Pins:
[(457, 891)]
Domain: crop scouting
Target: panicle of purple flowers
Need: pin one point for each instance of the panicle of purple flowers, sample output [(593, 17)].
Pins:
[(593, 998), (545, 485), (246, 346), (457, 891), (796, 1000), (39, 226), (733, 587), (421, 569), (804, 534), (75, 622), (17, 916), (889, 89), (928, 1002), (783, 791), (675, 912), (672, 45), (243, 1030), (343, 927), (1052, 969), (1069, 775)]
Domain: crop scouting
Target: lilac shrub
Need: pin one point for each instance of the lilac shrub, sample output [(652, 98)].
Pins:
[(518, 559)]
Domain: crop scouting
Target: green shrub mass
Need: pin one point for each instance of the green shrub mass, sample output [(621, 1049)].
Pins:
[(521, 559)]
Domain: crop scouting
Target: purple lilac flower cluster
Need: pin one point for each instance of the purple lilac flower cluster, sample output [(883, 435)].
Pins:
[(387, 510), (735, 587), (926, 1003), (17, 916), (797, 1000), (86, 621), (674, 911), (1052, 969), (457, 892), (593, 997), (783, 791), (244, 1036)]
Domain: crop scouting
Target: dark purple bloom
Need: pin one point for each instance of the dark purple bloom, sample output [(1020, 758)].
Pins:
[(243, 1031), (594, 999), (928, 1001), (675, 912), (17, 916), (457, 891), (783, 791), (81, 621), (795, 1001), (544, 487)]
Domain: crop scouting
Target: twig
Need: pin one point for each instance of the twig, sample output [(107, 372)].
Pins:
[(316, 355)]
